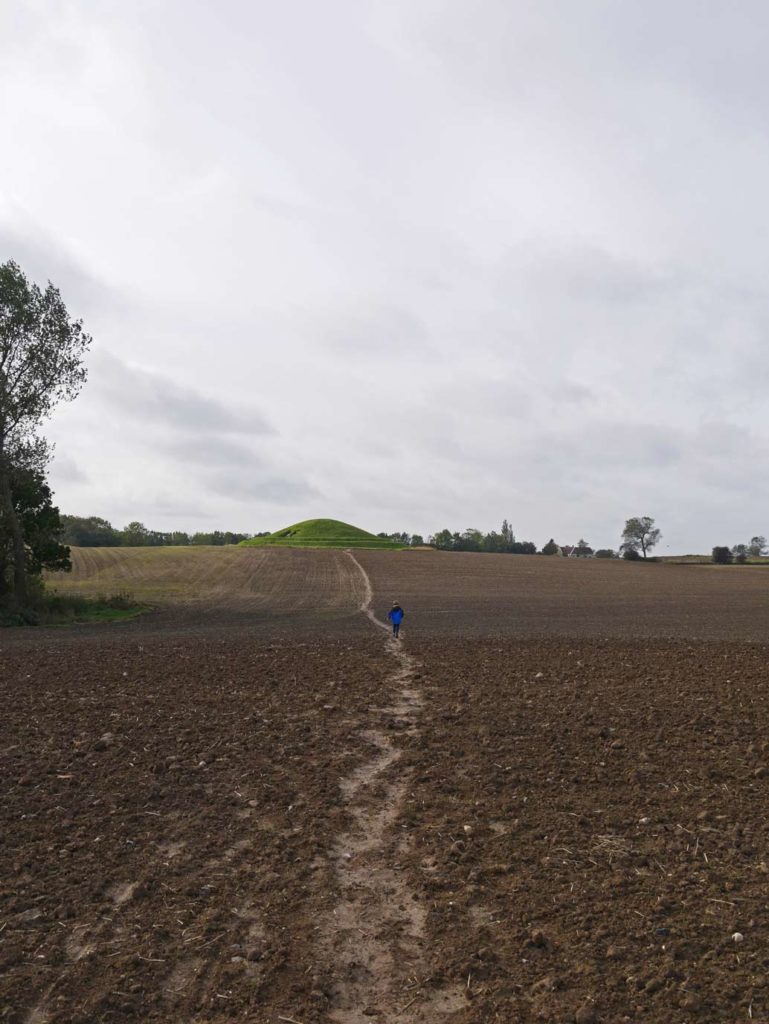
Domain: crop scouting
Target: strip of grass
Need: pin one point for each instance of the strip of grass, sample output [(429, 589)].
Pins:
[(52, 609)]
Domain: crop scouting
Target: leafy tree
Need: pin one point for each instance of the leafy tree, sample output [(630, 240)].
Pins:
[(443, 540), (135, 535), (630, 554), (722, 556), (41, 364), (471, 540), (582, 549), (40, 524), (89, 532), (640, 534), (399, 538), (495, 542), (417, 540), (740, 552), (757, 546), (218, 538), (235, 538), (605, 553), (551, 548)]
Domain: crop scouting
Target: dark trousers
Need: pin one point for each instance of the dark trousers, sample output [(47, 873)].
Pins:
[(396, 628)]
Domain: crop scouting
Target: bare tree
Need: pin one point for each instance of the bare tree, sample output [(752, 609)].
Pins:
[(41, 364)]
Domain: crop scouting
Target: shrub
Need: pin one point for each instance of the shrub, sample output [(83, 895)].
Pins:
[(631, 555), (606, 553), (722, 556)]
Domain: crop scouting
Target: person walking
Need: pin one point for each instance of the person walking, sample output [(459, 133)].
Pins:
[(395, 615)]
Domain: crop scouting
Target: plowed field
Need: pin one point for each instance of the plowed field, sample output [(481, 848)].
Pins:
[(221, 585), (478, 595), (218, 813)]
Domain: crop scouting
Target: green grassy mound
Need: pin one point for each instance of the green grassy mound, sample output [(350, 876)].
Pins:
[(321, 533)]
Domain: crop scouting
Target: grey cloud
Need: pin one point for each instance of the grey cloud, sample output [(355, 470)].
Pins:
[(481, 395), (234, 469), (573, 393), (210, 450), (183, 511), (42, 258), (147, 395), (66, 469), (586, 273), (517, 269), (381, 330), (249, 485)]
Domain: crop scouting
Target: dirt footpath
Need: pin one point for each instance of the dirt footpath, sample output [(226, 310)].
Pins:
[(230, 826)]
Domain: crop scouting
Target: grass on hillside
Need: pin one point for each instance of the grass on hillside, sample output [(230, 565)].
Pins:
[(322, 533), (54, 609)]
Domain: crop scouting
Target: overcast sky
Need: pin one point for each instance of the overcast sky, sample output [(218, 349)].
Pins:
[(406, 263)]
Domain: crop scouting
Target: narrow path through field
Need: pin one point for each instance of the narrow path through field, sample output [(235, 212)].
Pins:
[(376, 935)]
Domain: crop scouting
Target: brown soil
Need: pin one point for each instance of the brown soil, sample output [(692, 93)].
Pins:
[(521, 595), (203, 823)]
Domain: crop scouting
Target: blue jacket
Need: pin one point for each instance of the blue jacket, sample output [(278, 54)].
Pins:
[(395, 615)]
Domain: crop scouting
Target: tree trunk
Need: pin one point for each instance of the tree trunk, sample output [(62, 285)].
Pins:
[(19, 552)]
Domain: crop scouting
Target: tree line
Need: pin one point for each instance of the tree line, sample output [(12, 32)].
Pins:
[(740, 553), (639, 537), (470, 539), (93, 532)]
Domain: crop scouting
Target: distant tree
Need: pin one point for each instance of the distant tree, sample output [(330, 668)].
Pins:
[(551, 548), (443, 540), (135, 535), (471, 540), (41, 364), (89, 532), (757, 546), (740, 552), (495, 542), (210, 539), (605, 553), (582, 549), (235, 538), (630, 554), (41, 526), (640, 534), (219, 538), (417, 540), (722, 556)]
